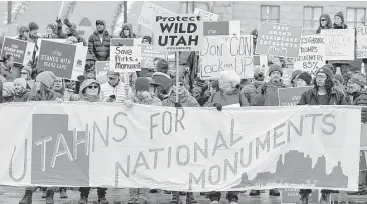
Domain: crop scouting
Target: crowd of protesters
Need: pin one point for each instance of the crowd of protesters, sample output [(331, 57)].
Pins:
[(155, 85)]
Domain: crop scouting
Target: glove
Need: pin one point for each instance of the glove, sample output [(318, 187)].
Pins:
[(67, 22), (178, 105), (218, 106), (263, 89), (58, 20)]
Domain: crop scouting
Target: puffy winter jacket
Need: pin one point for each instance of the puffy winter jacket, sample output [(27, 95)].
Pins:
[(360, 99), (99, 50), (227, 99), (267, 94), (310, 97)]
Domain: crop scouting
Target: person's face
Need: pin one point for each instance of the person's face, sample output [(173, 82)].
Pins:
[(33, 32), (90, 74), (73, 85), (337, 20), (10, 62), (37, 85), (100, 28), (58, 84), (67, 30), (225, 86), (49, 31), (300, 83), (143, 95), (24, 74), (145, 42), (353, 87), (92, 90), (127, 32), (181, 88), (323, 21), (320, 79), (196, 91), (114, 80), (18, 88), (275, 76), (26, 33)]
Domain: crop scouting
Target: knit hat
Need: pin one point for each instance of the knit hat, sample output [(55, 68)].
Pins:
[(295, 73), (275, 67), (162, 66), (341, 15), (305, 76), (28, 69), (9, 86), (52, 26), (33, 26), (259, 76), (100, 22), (23, 29), (112, 73), (142, 84), (47, 78), (148, 38), (339, 78), (22, 82), (255, 33), (359, 79), (326, 69)]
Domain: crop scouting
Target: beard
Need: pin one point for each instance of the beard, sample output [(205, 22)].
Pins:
[(100, 31)]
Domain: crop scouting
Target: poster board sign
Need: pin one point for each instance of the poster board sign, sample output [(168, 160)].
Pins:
[(339, 44), (22, 51), (148, 13), (287, 74), (280, 40), (291, 196), (291, 96), (222, 28), (311, 54), (102, 67), (206, 15), (178, 33), (125, 55), (361, 42), (156, 156), (223, 53), (65, 61), (148, 53)]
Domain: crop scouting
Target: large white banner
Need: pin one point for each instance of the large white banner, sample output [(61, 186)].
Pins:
[(184, 149)]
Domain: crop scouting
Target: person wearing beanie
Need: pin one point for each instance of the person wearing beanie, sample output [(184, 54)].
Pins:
[(51, 30), (304, 79), (146, 40), (295, 74), (43, 88), (23, 33), (115, 90), (70, 31), (99, 42), (339, 21), (8, 92), (25, 73), (184, 97), (267, 94), (356, 87), (162, 66), (21, 92), (324, 23), (162, 83), (33, 32), (127, 31)]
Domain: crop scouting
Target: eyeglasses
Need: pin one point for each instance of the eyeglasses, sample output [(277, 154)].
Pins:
[(92, 87), (24, 73), (323, 19)]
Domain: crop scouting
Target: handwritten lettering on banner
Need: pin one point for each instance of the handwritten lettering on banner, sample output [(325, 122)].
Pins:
[(207, 16), (72, 147), (66, 61), (311, 54), (221, 53), (291, 96), (279, 40), (21, 51), (125, 55), (361, 42), (178, 32), (339, 44), (148, 13)]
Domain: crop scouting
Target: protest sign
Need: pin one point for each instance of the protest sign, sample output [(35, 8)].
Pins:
[(222, 28), (66, 61), (221, 53), (207, 16), (22, 51), (361, 42), (287, 74), (291, 96), (291, 196), (148, 13), (69, 146), (125, 55), (311, 54), (279, 40), (178, 32), (148, 53), (339, 44), (102, 67)]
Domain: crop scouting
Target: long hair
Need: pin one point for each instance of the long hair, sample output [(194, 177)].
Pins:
[(44, 93), (329, 84), (329, 24)]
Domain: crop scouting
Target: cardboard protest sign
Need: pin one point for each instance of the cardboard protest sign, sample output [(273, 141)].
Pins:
[(178, 32), (339, 44), (291, 196), (221, 53), (222, 28), (148, 13), (361, 42), (148, 53), (66, 61), (80, 144), (278, 39), (207, 16), (291, 96), (22, 51), (125, 55), (311, 54)]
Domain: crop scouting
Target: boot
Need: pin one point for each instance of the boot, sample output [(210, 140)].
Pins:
[(27, 198), (232, 199), (325, 197), (190, 198), (214, 197), (102, 195), (44, 192), (50, 197), (63, 193), (175, 197), (274, 192), (83, 200), (254, 193), (304, 196)]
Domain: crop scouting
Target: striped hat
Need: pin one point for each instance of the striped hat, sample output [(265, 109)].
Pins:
[(359, 79)]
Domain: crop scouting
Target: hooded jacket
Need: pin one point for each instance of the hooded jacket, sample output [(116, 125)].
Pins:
[(100, 48), (132, 34), (267, 94), (227, 99), (84, 97), (185, 100), (310, 97)]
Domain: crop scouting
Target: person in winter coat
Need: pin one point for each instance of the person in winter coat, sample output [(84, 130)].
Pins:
[(67, 94), (21, 92), (146, 40), (25, 73), (8, 92), (267, 94), (23, 33), (43, 88), (6, 67), (295, 74), (357, 89), (161, 80), (325, 23), (127, 31), (51, 31), (99, 42), (115, 90), (339, 21), (184, 97), (70, 31), (143, 93), (304, 79), (324, 91), (33, 29), (249, 90)]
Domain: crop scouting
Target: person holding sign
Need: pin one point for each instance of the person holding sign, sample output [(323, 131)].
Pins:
[(23, 33), (6, 67)]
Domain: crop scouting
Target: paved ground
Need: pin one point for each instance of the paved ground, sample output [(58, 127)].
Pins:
[(12, 195)]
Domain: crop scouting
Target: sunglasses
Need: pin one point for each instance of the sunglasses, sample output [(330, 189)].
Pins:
[(323, 19), (92, 87), (112, 78)]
